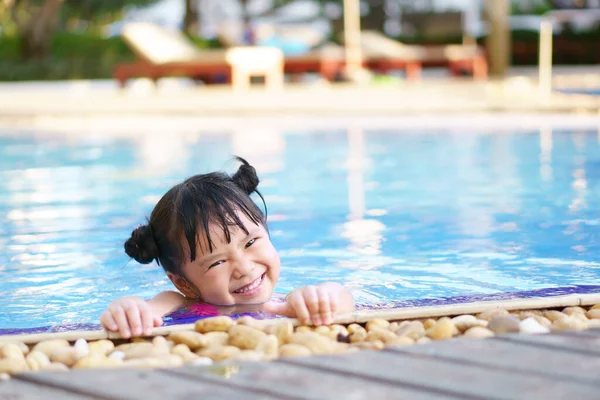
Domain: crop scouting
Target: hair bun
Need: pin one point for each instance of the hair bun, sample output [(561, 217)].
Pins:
[(246, 177), (141, 246)]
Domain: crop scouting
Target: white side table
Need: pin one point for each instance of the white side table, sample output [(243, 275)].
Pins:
[(255, 61)]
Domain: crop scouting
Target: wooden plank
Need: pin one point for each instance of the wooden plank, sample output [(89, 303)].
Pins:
[(581, 344), (444, 376), (588, 332), (299, 382), (134, 384), (18, 390), (513, 356)]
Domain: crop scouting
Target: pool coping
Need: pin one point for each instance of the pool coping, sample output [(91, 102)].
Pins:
[(440, 95), (191, 126), (362, 316)]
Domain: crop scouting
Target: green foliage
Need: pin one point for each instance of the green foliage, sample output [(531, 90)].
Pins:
[(430, 39), (94, 12), (90, 56), (518, 8), (569, 47), (69, 45), (73, 56), (95, 7)]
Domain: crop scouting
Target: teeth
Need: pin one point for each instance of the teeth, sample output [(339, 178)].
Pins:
[(251, 286)]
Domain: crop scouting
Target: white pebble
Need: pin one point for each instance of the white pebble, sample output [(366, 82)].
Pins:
[(464, 320), (4, 377), (82, 349), (117, 355), (200, 361), (531, 326)]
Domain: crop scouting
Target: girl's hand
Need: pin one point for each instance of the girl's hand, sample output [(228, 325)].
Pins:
[(130, 316), (316, 304)]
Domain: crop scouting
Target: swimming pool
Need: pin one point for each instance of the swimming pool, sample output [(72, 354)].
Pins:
[(397, 214), (593, 92)]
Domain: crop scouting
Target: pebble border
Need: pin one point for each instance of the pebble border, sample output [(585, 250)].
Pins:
[(222, 338)]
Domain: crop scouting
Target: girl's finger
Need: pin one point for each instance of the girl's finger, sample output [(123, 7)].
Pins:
[(133, 316), (146, 317), (107, 321), (334, 299), (298, 304), (121, 319), (324, 306), (311, 298)]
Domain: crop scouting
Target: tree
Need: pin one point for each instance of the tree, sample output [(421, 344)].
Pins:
[(247, 17), (36, 23), (96, 10), (374, 19), (191, 19)]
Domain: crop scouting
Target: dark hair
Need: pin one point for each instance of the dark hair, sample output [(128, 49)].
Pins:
[(188, 209)]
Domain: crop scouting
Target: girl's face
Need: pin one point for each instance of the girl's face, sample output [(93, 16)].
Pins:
[(243, 271)]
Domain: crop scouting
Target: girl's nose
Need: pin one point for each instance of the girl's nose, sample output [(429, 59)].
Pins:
[(242, 267)]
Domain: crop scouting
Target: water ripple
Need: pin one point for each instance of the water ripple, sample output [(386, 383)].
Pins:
[(395, 215)]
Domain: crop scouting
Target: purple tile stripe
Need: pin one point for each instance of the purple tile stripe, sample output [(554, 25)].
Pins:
[(196, 312)]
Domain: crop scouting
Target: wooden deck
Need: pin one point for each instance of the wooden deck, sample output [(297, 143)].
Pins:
[(562, 365)]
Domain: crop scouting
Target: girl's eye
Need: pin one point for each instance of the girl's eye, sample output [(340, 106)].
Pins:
[(215, 264), (250, 243)]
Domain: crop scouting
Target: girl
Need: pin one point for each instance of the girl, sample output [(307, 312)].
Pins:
[(213, 243)]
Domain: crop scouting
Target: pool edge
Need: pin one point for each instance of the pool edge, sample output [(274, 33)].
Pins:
[(356, 317)]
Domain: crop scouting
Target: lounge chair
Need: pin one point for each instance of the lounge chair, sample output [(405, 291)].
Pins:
[(161, 53), (383, 54), (326, 59)]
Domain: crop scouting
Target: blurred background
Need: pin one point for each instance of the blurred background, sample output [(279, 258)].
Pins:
[(80, 39)]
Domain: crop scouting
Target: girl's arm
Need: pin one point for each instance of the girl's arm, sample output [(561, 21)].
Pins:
[(166, 302), (134, 316)]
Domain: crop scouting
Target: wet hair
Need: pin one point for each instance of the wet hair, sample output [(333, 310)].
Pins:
[(187, 210)]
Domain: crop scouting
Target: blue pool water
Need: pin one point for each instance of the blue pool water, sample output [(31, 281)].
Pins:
[(593, 92), (394, 214)]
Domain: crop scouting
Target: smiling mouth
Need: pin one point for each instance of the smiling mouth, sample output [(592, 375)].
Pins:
[(252, 287)]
